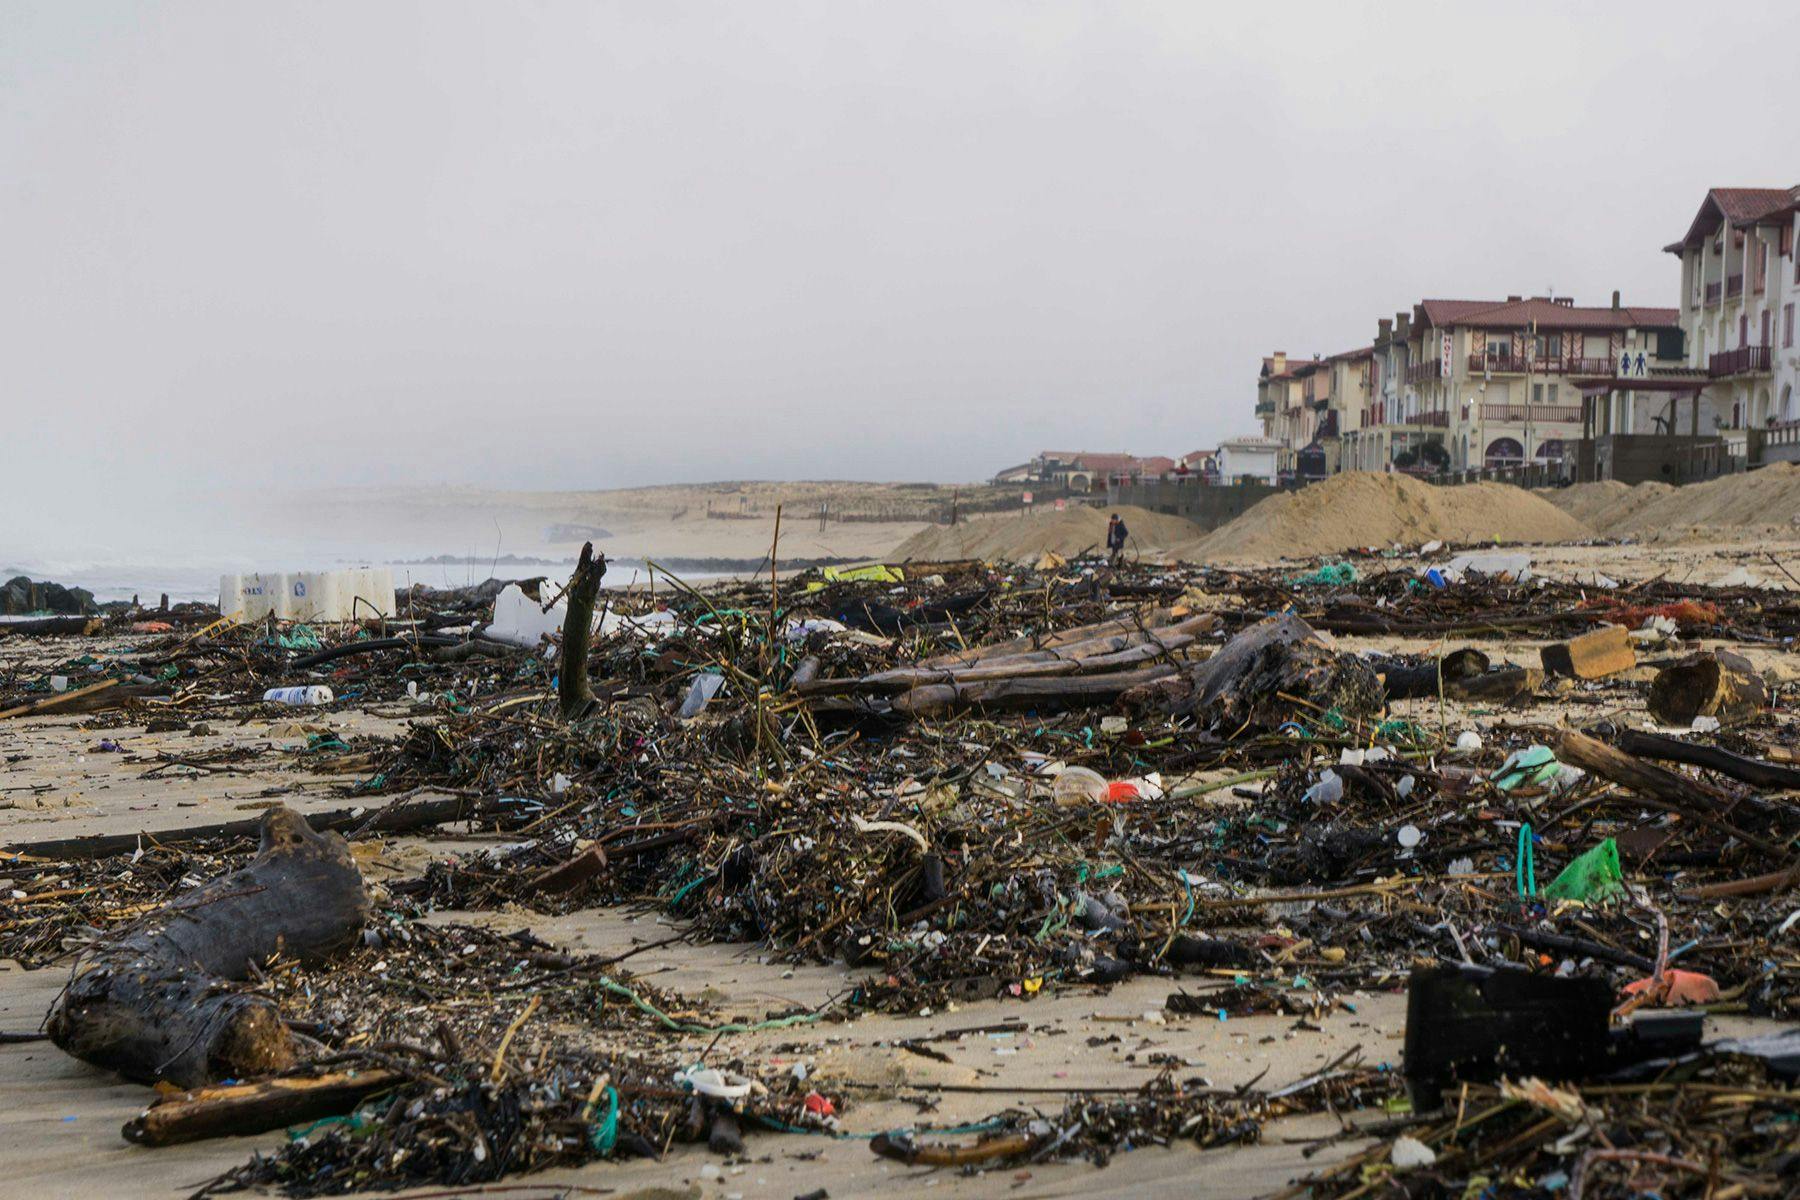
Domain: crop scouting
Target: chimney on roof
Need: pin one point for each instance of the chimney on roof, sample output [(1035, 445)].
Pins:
[(1565, 301), (1403, 328), (1280, 363), (1615, 299), (1384, 328), (1514, 299)]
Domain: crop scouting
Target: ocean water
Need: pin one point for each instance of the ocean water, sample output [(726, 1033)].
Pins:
[(199, 580)]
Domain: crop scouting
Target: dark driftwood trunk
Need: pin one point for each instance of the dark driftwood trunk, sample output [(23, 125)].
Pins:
[(52, 626), (1275, 669), (1410, 681), (1750, 770), (573, 694), (150, 1003)]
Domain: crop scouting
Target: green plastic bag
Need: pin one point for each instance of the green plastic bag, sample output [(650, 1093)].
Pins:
[(1593, 877)]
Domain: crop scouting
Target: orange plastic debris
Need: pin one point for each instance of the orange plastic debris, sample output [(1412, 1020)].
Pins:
[(1675, 988)]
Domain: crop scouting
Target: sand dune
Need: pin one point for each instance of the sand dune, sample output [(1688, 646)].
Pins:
[(1362, 509)]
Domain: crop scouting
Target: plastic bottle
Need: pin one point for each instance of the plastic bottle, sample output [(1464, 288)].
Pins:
[(299, 696)]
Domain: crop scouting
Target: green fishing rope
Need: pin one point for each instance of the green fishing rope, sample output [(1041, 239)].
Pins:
[(1525, 866)]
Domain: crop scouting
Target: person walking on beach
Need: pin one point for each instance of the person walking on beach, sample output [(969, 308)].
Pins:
[(1116, 533)]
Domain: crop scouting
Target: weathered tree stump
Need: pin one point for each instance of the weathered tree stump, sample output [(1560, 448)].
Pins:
[(155, 1001), (575, 696), (1710, 684)]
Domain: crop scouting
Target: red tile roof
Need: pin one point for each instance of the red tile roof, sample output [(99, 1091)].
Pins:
[(1293, 367), (1156, 464), (1109, 463), (1546, 314), (1739, 206), (1452, 312)]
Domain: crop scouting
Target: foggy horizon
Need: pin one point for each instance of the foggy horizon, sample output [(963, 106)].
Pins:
[(282, 247)]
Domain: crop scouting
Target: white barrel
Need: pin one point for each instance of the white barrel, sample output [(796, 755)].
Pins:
[(325, 597)]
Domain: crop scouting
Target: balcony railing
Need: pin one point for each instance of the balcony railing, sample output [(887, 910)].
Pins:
[(1734, 285), (1439, 419), (1713, 291), (1422, 372), (1742, 361), (1782, 433), (1507, 364), (1519, 413)]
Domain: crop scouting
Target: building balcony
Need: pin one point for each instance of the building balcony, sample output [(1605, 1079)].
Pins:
[(1518, 414), (1422, 372), (1713, 292), (1506, 364), (1265, 408), (1734, 285), (1745, 360), (1428, 420)]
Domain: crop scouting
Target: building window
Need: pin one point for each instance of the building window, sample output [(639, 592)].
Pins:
[(1549, 345), (1504, 452), (1787, 326), (1553, 388)]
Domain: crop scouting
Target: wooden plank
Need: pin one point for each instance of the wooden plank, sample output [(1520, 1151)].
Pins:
[(51, 703)]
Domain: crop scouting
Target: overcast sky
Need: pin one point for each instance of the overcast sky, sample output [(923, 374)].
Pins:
[(589, 245)]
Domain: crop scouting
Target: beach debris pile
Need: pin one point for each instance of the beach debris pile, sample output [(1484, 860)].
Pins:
[(969, 784)]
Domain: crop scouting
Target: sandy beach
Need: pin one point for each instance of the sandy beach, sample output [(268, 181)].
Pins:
[(72, 776)]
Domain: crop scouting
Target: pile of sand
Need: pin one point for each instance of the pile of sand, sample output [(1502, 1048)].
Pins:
[(1732, 505), (1361, 509), (1601, 506), (1022, 539)]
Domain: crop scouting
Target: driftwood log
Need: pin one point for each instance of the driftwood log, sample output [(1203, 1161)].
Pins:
[(1738, 766), (1093, 664), (1411, 681), (1711, 684), (1658, 786), (153, 1002), (574, 695), (401, 815), (1275, 670), (52, 627), (1509, 685), (1011, 693), (234, 1109), (1111, 652)]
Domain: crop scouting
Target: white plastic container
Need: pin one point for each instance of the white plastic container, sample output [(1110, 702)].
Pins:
[(326, 597), (299, 696)]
